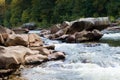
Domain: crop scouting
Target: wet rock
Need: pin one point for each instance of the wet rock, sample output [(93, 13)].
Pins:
[(56, 56), (52, 47), (29, 26)]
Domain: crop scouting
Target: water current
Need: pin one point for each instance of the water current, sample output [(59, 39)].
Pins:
[(84, 61)]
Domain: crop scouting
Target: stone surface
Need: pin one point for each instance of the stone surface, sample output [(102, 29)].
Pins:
[(55, 55), (42, 50), (88, 36), (4, 33), (35, 59), (17, 39), (34, 40)]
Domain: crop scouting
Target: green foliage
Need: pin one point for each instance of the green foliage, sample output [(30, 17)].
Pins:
[(47, 12), (7, 16), (25, 16)]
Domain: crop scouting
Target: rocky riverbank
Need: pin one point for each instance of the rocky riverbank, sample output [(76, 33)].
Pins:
[(18, 50), (23, 49)]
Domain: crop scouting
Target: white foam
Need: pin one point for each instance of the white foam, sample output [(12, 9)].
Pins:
[(72, 71), (111, 36)]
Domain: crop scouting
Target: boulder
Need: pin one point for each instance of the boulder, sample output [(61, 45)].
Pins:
[(17, 39), (89, 24), (5, 30), (11, 57), (34, 40), (55, 55), (29, 26), (24, 40)]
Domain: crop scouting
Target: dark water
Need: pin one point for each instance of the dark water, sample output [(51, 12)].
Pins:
[(84, 61)]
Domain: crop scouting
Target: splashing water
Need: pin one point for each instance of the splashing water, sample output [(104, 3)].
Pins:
[(84, 61)]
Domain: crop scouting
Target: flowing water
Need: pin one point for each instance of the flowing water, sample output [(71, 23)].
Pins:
[(84, 61)]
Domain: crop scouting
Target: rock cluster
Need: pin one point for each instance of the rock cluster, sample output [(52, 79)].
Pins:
[(84, 29), (22, 49)]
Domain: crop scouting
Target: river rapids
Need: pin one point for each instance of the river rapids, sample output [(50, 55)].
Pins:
[(84, 61)]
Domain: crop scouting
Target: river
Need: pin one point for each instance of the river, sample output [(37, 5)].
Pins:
[(84, 61)]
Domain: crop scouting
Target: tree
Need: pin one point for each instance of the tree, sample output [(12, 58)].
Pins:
[(26, 16), (16, 11)]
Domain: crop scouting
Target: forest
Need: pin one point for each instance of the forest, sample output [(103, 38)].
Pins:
[(44, 13)]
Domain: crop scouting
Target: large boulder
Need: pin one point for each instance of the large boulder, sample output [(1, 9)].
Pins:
[(27, 40), (17, 39), (11, 57), (89, 24)]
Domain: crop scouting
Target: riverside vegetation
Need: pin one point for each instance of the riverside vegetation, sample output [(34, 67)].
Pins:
[(47, 12)]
